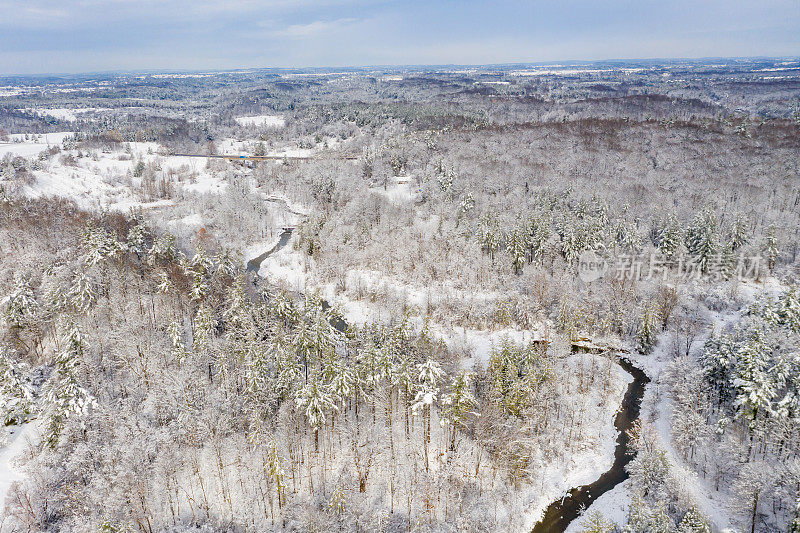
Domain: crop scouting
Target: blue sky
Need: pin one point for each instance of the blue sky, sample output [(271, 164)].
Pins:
[(59, 36)]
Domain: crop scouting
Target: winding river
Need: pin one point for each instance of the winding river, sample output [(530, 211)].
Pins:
[(562, 512), (255, 264)]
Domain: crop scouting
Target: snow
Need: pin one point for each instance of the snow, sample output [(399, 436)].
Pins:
[(69, 115), (254, 250), (33, 146), (266, 121), (613, 505), (582, 466), (399, 190), (557, 72), (102, 179), (480, 343), (657, 408), (287, 267), (195, 219), (19, 438), (553, 478), (292, 152)]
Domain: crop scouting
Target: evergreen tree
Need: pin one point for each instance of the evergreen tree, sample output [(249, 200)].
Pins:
[(176, 339), (136, 241), (99, 246), (701, 238), (771, 246), (752, 383), (670, 237), (595, 522), (457, 404), (648, 330), (538, 233), (517, 248), (740, 233), (163, 249), (82, 293), (204, 327), (718, 361), (316, 401), (17, 401), (693, 522), (66, 397), (644, 519), (490, 236), (21, 305)]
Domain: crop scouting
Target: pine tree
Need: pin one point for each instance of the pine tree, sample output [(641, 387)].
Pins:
[(176, 339), (429, 374), (21, 306), (316, 401), (740, 233), (644, 519), (789, 309), (538, 233), (693, 522), (457, 404), (164, 284), (17, 401), (287, 371), (517, 248), (82, 293), (99, 246), (489, 236), (467, 204), (626, 235), (701, 238), (595, 522), (373, 365), (163, 249), (771, 246), (648, 330), (65, 395), (342, 380), (136, 241), (204, 327), (237, 316), (718, 361), (752, 383), (228, 262)]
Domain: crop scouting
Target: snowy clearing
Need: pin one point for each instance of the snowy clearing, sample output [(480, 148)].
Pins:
[(265, 121)]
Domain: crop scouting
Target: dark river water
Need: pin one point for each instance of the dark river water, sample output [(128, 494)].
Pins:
[(563, 511), (254, 264)]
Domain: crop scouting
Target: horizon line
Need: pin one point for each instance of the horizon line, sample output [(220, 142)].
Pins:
[(570, 62)]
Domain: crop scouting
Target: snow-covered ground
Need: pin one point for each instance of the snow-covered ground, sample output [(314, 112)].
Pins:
[(584, 466), (554, 478), (614, 505), (398, 190), (69, 115), (19, 146), (657, 410), (18, 438), (265, 121), (102, 179)]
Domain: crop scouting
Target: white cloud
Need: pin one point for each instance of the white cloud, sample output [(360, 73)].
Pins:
[(314, 28), (29, 13)]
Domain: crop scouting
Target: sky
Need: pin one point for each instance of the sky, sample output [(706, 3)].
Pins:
[(69, 36)]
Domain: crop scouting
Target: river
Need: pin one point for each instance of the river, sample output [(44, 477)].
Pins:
[(562, 512)]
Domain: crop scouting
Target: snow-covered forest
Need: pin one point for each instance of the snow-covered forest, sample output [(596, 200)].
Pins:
[(410, 299)]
